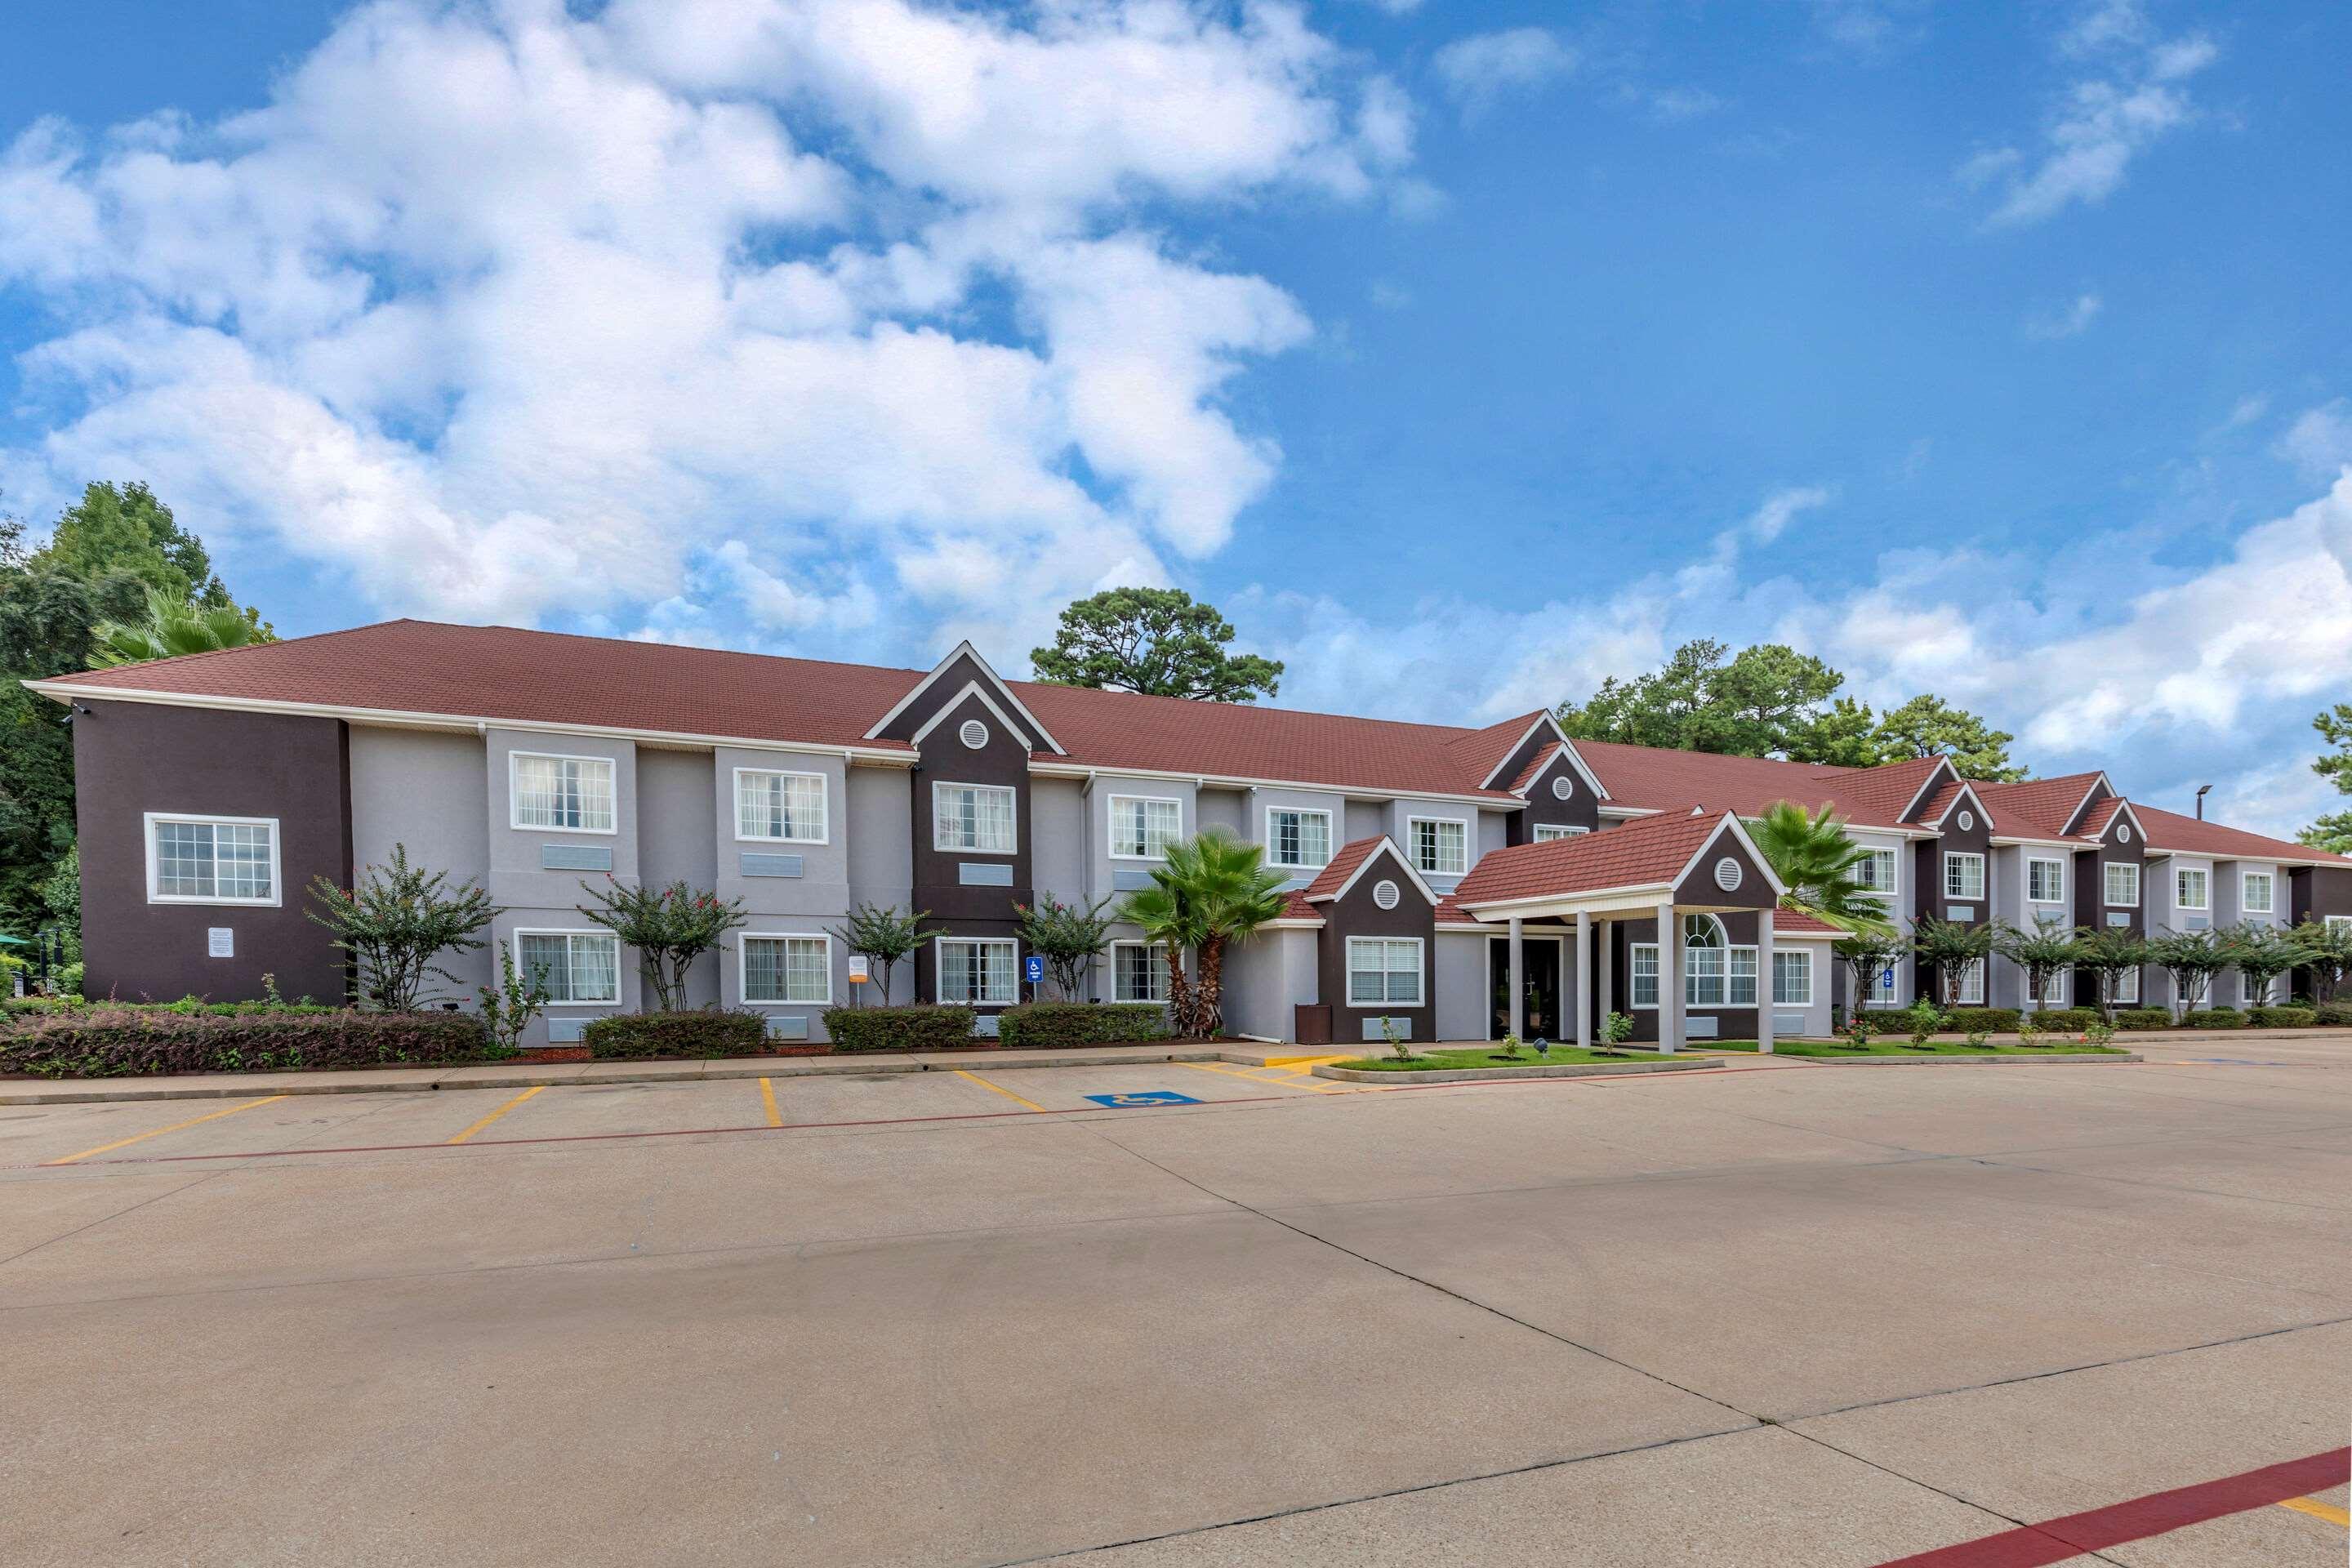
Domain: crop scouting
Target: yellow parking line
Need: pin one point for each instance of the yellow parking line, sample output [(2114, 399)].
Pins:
[(1247, 1076), (143, 1137), (995, 1089), (2318, 1509), (768, 1098), (494, 1115)]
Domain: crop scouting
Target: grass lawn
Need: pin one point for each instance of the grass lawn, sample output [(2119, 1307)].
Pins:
[(1486, 1057), (1905, 1049)]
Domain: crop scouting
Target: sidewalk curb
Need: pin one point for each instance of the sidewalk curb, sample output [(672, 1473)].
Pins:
[(1534, 1070)]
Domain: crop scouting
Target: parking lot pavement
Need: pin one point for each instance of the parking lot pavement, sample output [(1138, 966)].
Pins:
[(975, 1317)]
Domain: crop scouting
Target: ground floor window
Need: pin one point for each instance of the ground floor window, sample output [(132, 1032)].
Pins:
[(1139, 973), (577, 967), (1383, 972), (215, 861), (2128, 988), (2053, 990), (1646, 973), (1792, 979), (978, 971), (787, 969), (1968, 986)]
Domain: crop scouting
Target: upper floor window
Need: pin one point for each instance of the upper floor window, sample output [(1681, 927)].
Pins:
[(1441, 846), (1548, 831), (2189, 888), (2259, 894), (978, 818), (2046, 881), (563, 795), (1141, 828), (1964, 876), (1875, 872), (212, 859), (784, 807), (1299, 838), (2123, 885), (787, 969), (578, 967)]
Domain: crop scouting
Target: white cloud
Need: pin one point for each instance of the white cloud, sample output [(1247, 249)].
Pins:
[(2319, 442), (1485, 66), (1673, 105), (830, 310), (2071, 321), (1868, 28)]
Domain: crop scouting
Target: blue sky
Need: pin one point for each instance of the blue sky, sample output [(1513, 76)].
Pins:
[(1466, 352)]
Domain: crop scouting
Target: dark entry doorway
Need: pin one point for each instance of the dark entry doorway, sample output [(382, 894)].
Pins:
[(1538, 978)]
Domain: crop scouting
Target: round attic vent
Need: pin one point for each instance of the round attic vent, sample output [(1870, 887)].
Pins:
[(1968, 820), (2123, 834), (1562, 787), (974, 734), (1727, 874), (1385, 894)]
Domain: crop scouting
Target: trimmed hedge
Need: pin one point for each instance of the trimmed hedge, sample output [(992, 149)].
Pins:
[(916, 1027), (118, 1042), (2143, 1018), (2283, 1017), (1990, 1020), (2065, 1020), (2334, 1014), (1042, 1024), (2215, 1018), (705, 1032)]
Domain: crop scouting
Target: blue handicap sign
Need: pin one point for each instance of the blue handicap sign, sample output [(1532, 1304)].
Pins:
[(1036, 968), (1148, 1097)]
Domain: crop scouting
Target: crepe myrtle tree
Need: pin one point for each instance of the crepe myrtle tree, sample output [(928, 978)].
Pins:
[(2109, 953), (394, 921), (2192, 958), (1866, 954), (2044, 952), (2260, 953), (884, 934), (1949, 947), (2327, 955), (1068, 937), (670, 928)]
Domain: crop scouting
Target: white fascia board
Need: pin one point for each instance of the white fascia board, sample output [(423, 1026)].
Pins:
[(1387, 845), (2083, 804), (1576, 759), (1738, 830), (1943, 765), (1058, 770), (961, 649), (1629, 812), (974, 689)]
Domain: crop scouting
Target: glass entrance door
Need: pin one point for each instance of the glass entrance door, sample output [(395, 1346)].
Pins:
[(1538, 980)]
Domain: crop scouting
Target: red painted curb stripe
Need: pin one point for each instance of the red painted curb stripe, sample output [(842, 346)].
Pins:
[(2056, 1539)]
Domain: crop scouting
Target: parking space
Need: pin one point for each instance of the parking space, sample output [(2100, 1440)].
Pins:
[(979, 1315)]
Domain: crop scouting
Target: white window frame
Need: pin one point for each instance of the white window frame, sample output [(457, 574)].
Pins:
[(1155, 964), (1546, 832), (939, 819), (1962, 860), (743, 969), (1146, 801), (1894, 887), (2126, 989), (277, 898), (1734, 974), (1413, 839), (2333, 921), (823, 806), (2033, 860), (1803, 958), (939, 969), (1329, 834), (2204, 875), (568, 932), (1968, 990), (2062, 981), (2107, 884), (514, 792), (2246, 905), (1387, 1002), (1634, 952)]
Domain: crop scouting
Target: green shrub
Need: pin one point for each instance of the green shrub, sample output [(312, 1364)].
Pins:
[(2143, 1018), (2334, 1014), (68, 978), (2066, 1020), (2283, 1017), (1046, 1024), (116, 1042), (2216, 1018), (1990, 1020), (916, 1027), (701, 1032)]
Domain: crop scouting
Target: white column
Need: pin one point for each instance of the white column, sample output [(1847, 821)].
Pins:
[(1607, 963), (1764, 981), (1670, 980), (1519, 989), (1583, 980)]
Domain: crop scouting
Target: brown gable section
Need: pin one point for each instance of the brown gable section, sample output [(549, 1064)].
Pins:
[(1721, 859), (948, 686)]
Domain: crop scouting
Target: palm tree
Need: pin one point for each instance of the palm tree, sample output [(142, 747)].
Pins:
[(1212, 890), (1814, 859), (1168, 923), (172, 628)]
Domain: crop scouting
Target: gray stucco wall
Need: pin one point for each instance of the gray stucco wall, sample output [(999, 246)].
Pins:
[(1058, 859), (881, 855), (1464, 992), (1266, 979), (430, 793), (678, 839), (1225, 808)]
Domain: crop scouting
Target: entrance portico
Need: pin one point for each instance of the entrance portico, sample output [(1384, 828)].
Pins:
[(1662, 870)]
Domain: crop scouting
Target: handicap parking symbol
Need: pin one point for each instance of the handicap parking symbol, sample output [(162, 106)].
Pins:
[(1148, 1097)]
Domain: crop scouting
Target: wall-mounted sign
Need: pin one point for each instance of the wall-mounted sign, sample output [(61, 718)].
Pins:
[(220, 941)]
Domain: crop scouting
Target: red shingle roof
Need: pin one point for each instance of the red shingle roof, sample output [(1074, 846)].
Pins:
[(1651, 849), (1342, 865), (1645, 776), (2095, 821), (1796, 923), (2038, 807), (2189, 835)]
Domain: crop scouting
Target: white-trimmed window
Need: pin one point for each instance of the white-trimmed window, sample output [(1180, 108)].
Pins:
[(2191, 889), (1139, 973), (787, 968), (1548, 831), (2258, 893), (1964, 876), (978, 971), (1441, 844), (1643, 964), (2122, 885), (2338, 924), (1967, 988), (579, 968), (2056, 989), (1143, 826), (778, 808), (1741, 992), (1705, 952), (2128, 988), (976, 819), (1885, 986), (560, 794), (1876, 872), (1793, 978), (1383, 972), (2046, 881), (212, 859), (1298, 837)]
